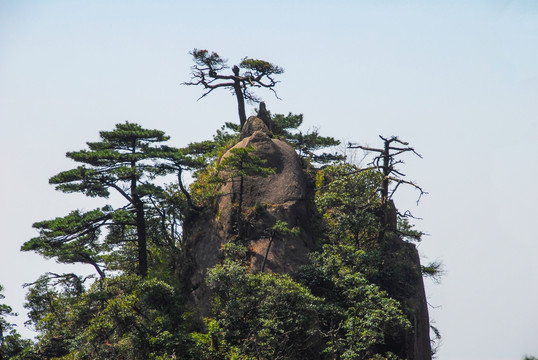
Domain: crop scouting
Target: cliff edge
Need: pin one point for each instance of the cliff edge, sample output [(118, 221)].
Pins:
[(282, 196), (287, 196)]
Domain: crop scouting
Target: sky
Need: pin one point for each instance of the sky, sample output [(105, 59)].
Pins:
[(456, 79)]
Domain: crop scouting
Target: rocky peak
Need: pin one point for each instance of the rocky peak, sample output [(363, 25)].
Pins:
[(254, 124), (282, 196), (286, 196)]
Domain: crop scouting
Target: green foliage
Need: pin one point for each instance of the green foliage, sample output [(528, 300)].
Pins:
[(279, 231), (357, 318), (284, 125), (75, 238), (49, 301), (348, 199), (407, 230), (125, 161), (121, 315), (207, 71), (234, 251), (335, 309), (225, 139), (258, 316), (124, 317), (433, 270), (354, 222), (12, 345), (139, 319), (240, 163), (258, 68), (307, 144), (205, 190), (203, 57), (236, 166), (336, 312), (114, 162), (281, 228)]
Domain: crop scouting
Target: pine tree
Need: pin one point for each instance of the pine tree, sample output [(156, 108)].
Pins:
[(238, 165), (207, 71), (123, 161)]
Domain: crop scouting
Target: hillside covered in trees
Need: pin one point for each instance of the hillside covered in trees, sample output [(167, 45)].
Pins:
[(275, 250)]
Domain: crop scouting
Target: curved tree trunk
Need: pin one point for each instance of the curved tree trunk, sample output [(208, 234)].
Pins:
[(186, 193), (240, 103)]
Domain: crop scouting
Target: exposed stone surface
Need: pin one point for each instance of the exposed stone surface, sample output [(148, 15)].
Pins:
[(405, 284), (252, 125), (282, 196), (265, 116), (412, 297), (421, 324), (286, 196)]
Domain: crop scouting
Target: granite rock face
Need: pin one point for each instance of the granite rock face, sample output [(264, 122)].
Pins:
[(287, 196), (282, 196), (404, 259)]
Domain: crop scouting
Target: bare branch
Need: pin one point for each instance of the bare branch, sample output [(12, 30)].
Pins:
[(352, 146), (385, 162), (407, 214), (401, 181), (397, 172), (258, 73)]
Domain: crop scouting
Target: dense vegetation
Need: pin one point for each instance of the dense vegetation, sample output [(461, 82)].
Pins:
[(134, 307), (348, 302)]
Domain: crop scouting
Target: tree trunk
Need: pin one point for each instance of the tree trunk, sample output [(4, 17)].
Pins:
[(186, 193), (240, 209), (385, 186), (240, 103), (267, 251), (142, 238), (140, 221)]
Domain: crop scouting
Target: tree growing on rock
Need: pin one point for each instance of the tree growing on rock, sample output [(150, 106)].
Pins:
[(307, 143), (208, 68), (279, 230), (385, 161), (239, 165)]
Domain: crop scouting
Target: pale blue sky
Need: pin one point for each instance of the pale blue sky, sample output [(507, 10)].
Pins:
[(458, 79)]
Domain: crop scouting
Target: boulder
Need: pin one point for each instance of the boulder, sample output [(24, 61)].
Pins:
[(282, 196)]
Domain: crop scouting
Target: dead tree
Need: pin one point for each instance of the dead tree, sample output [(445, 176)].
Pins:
[(207, 72), (385, 161)]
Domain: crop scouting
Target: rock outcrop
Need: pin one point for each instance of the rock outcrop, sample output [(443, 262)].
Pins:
[(286, 196), (407, 286), (282, 196), (417, 345)]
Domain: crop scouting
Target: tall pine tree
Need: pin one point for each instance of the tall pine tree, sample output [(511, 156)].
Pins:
[(124, 161)]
